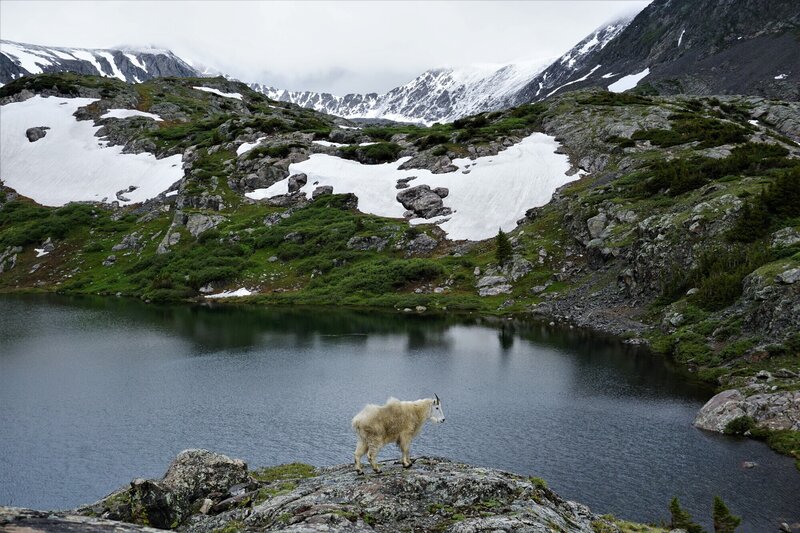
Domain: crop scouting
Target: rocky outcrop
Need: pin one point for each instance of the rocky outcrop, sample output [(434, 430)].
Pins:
[(774, 411), (192, 477), (198, 223), (372, 242), (204, 492)]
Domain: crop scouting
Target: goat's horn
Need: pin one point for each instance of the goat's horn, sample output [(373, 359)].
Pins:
[(437, 398)]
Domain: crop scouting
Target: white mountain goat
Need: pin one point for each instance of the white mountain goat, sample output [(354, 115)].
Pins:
[(396, 421)]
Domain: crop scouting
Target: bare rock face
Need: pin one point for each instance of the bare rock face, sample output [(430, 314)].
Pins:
[(775, 411)]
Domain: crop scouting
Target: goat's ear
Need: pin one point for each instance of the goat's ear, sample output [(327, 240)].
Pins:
[(437, 398)]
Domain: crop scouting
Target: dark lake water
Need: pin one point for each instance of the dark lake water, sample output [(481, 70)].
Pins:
[(95, 392)]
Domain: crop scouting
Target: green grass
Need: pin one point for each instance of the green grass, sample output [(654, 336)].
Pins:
[(288, 471)]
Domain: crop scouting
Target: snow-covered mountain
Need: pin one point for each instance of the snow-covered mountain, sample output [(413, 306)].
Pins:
[(437, 95), (687, 46), (127, 64)]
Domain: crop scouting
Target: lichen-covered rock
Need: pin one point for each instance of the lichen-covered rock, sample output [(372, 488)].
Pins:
[(775, 411), (204, 492), (434, 495), (190, 479)]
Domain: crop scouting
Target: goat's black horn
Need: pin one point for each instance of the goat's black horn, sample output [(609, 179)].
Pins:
[(437, 398)]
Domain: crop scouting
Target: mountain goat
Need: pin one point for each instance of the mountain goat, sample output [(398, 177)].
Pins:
[(396, 421)]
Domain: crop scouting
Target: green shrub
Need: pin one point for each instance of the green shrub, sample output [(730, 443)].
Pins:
[(615, 99), (382, 152), (739, 426), (689, 127)]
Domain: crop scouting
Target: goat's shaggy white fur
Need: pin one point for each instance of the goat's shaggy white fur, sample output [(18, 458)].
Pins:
[(396, 421)]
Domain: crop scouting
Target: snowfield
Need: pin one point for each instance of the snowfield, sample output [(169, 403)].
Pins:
[(235, 96), (127, 113), (238, 293), (628, 82), (485, 194), (71, 164), (246, 147)]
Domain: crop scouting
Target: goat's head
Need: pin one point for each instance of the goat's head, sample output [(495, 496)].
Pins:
[(436, 414)]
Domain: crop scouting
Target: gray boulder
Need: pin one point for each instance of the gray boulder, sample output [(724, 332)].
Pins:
[(129, 242), (775, 411), (36, 133), (423, 201), (297, 181), (322, 190), (372, 242), (421, 244), (166, 503), (198, 223)]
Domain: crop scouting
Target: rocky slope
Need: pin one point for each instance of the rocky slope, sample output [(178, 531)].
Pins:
[(693, 47), (129, 65), (207, 492)]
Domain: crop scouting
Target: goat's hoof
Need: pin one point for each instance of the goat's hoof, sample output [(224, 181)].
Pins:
[(379, 471), (408, 465), (359, 472)]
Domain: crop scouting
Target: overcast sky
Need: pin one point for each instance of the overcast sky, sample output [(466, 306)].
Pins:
[(337, 47)]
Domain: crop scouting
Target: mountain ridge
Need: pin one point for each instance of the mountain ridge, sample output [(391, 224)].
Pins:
[(128, 63)]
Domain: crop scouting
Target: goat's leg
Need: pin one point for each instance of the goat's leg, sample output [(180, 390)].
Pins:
[(404, 444), (372, 454), (361, 449)]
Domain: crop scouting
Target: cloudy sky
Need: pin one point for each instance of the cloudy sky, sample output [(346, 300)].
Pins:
[(337, 47)]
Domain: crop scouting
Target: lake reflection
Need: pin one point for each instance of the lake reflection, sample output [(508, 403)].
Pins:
[(95, 392)]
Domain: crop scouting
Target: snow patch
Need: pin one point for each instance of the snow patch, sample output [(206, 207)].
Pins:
[(62, 55), (328, 143), (87, 56), (127, 113), (753, 122), (235, 96), (135, 62), (24, 58), (589, 45), (238, 293), (246, 147), (681, 37), (495, 194), (609, 75), (554, 91), (117, 73), (628, 82), (780, 77), (69, 164), (40, 252)]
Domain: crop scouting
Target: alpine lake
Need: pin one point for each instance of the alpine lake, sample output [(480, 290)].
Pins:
[(97, 391)]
